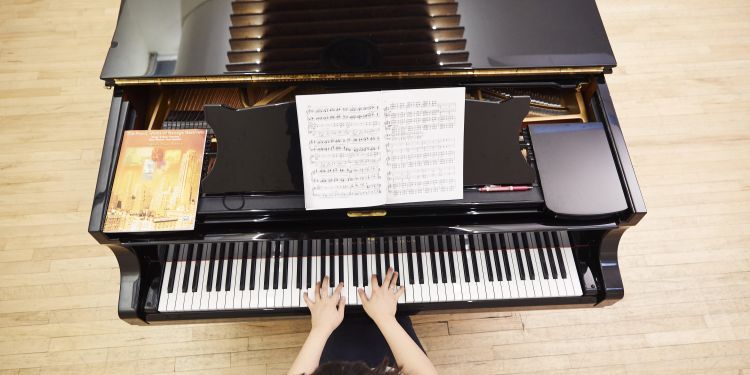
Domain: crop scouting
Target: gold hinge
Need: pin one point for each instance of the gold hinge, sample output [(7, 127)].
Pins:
[(373, 213)]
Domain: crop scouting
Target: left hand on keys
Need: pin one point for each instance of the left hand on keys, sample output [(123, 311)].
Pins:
[(327, 311)]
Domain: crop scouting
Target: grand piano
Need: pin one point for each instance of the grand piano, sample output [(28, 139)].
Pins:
[(254, 251)]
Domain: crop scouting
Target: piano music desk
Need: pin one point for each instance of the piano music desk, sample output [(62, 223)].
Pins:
[(682, 98)]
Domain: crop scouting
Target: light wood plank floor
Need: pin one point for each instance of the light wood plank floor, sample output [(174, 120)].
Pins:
[(682, 95)]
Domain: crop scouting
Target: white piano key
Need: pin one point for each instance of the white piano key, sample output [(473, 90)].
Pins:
[(473, 288), (163, 295), (198, 297), (188, 304), (463, 293), (497, 292), (293, 295), (520, 286), (570, 261), (237, 291), (205, 296), (246, 292), (255, 291), (179, 299), (404, 265), (483, 284), (351, 290), (262, 260), (450, 287), (536, 262), (221, 294)]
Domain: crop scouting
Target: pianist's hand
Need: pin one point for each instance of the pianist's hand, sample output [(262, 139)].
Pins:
[(327, 311), (382, 302)]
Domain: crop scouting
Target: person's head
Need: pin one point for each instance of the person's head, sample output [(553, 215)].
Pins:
[(355, 368)]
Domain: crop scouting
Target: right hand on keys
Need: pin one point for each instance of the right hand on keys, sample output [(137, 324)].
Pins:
[(381, 304)]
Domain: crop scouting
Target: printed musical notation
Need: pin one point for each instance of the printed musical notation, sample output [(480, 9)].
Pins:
[(372, 148)]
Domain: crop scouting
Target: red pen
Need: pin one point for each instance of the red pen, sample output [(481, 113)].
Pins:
[(496, 188)]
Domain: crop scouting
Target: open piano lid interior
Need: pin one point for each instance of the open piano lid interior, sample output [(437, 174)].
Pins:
[(219, 39)]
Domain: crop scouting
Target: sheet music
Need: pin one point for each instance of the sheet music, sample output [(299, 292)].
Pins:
[(373, 148), (424, 144), (341, 141)]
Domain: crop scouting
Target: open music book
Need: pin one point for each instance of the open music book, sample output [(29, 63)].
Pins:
[(373, 148)]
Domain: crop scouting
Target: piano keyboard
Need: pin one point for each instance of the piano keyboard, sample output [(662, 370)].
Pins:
[(266, 274)]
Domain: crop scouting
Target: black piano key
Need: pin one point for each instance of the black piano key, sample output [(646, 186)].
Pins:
[(519, 256), (253, 262), (527, 252), (331, 263), (362, 245), (550, 255), (220, 270), (474, 248), (504, 251), (542, 259), (486, 244), (267, 254), (322, 260), (354, 250), (285, 247), (492, 240), (212, 253), (560, 262), (395, 251), (188, 264), (342, 273), (276, 265), (430, 242), (231, 253), (309, 253), (243, 265), (385, 248), (375, 245), (409, 260), (462, 249), (173, 268), (418, 249), (300, 258), (450, 266), (199, 249)]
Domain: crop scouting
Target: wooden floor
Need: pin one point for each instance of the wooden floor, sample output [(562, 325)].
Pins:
[(682, 96)]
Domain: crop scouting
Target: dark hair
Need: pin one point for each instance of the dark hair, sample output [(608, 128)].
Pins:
[(355, 368)]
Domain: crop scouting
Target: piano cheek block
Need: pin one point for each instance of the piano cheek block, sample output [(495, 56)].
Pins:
[(577, 170), (258, 149)]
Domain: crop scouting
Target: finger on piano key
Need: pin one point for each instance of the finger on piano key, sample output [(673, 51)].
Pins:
[(406, 278)]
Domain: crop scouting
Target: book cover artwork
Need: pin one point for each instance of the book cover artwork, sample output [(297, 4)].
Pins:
[(156, 181)]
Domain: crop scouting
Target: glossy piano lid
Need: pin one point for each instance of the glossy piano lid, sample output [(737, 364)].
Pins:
[(209, 38)]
